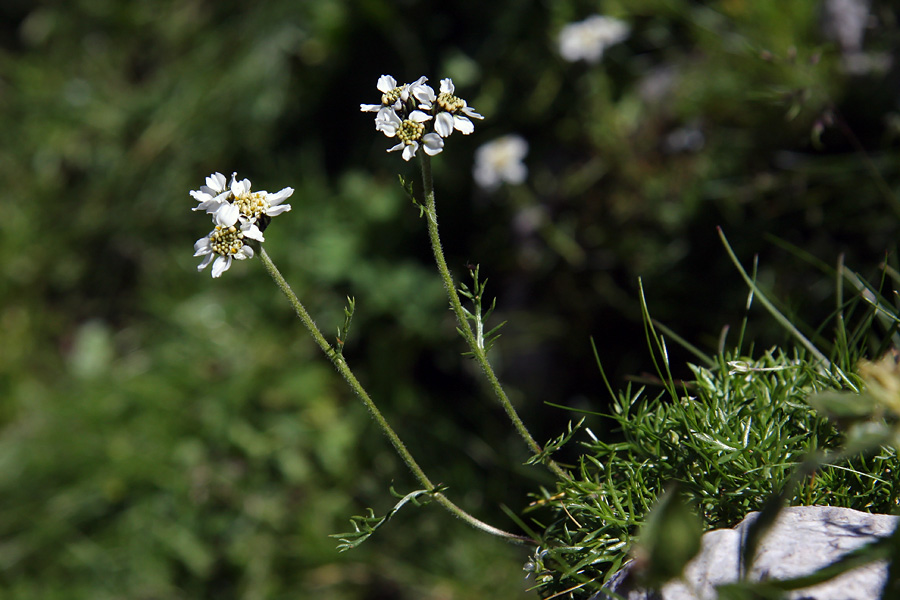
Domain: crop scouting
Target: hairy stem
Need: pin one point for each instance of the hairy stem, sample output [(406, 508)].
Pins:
[(341, 365), (477, 351)]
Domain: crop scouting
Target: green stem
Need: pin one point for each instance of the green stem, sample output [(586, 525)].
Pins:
[(341, 365), (477, 351)]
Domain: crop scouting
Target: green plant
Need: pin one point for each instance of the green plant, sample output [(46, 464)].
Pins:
[(747, 432)]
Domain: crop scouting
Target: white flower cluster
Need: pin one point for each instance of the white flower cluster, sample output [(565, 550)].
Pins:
[(238, 215), (588, 40), (408, 111), (501, 161)]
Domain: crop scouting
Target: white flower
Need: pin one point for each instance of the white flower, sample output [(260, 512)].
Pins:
[(226, 242), (417, 116), (393, 96), (212, 195), (845, 22), (253, 205), (588, 39), (387, 121), (410, 131), (236, 200), (500, 161), (390, 95), (422, 92), (452, 112)]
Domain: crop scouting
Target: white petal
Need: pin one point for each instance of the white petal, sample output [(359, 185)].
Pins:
[(425, 95), (211, 205), (397, 147), (277, 197), (252, 232), (240, 188), (389, 129), (447, 86), (216, 182), (410, 150), (471, 113), (202, 247), (387, 121), (274, 211), (369, 107), (443, 124), (432, 144), (205, 262), (244, 253), (386, 83), (227, 214), (221, 264), (463, 125), (418, 116)]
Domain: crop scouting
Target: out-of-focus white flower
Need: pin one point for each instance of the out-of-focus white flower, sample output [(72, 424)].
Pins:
[(684, 139), (452, 112), (500, 161), (588, 39), (226, 242), (845, 22)]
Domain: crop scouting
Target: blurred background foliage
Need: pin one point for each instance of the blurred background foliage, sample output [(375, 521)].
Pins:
[(164, 435)]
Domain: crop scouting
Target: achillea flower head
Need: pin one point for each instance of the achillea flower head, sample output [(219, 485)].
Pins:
[(239, 215), (418, 117), (500, 161), (588, 40), (452, 112), (410, 132)]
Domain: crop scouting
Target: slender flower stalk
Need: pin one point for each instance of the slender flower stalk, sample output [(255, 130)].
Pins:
[(478, 352), (341, 365)]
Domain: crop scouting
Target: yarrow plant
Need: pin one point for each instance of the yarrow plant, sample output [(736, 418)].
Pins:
[(416, 116), (596, 508)]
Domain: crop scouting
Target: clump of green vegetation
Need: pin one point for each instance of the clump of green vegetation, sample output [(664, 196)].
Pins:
[(746, 431)]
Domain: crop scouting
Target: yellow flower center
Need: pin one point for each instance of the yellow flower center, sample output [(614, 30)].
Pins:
[(410, 131), (388, 98), (226, 240), (252, 205), (450, 103)]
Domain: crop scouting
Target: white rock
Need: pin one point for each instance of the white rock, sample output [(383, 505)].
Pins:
[(802, 540)]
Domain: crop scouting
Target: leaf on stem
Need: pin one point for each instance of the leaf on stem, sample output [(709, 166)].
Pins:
[(344, 330), (555, 444), (476, 294), (408, 188), (365, 525)]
